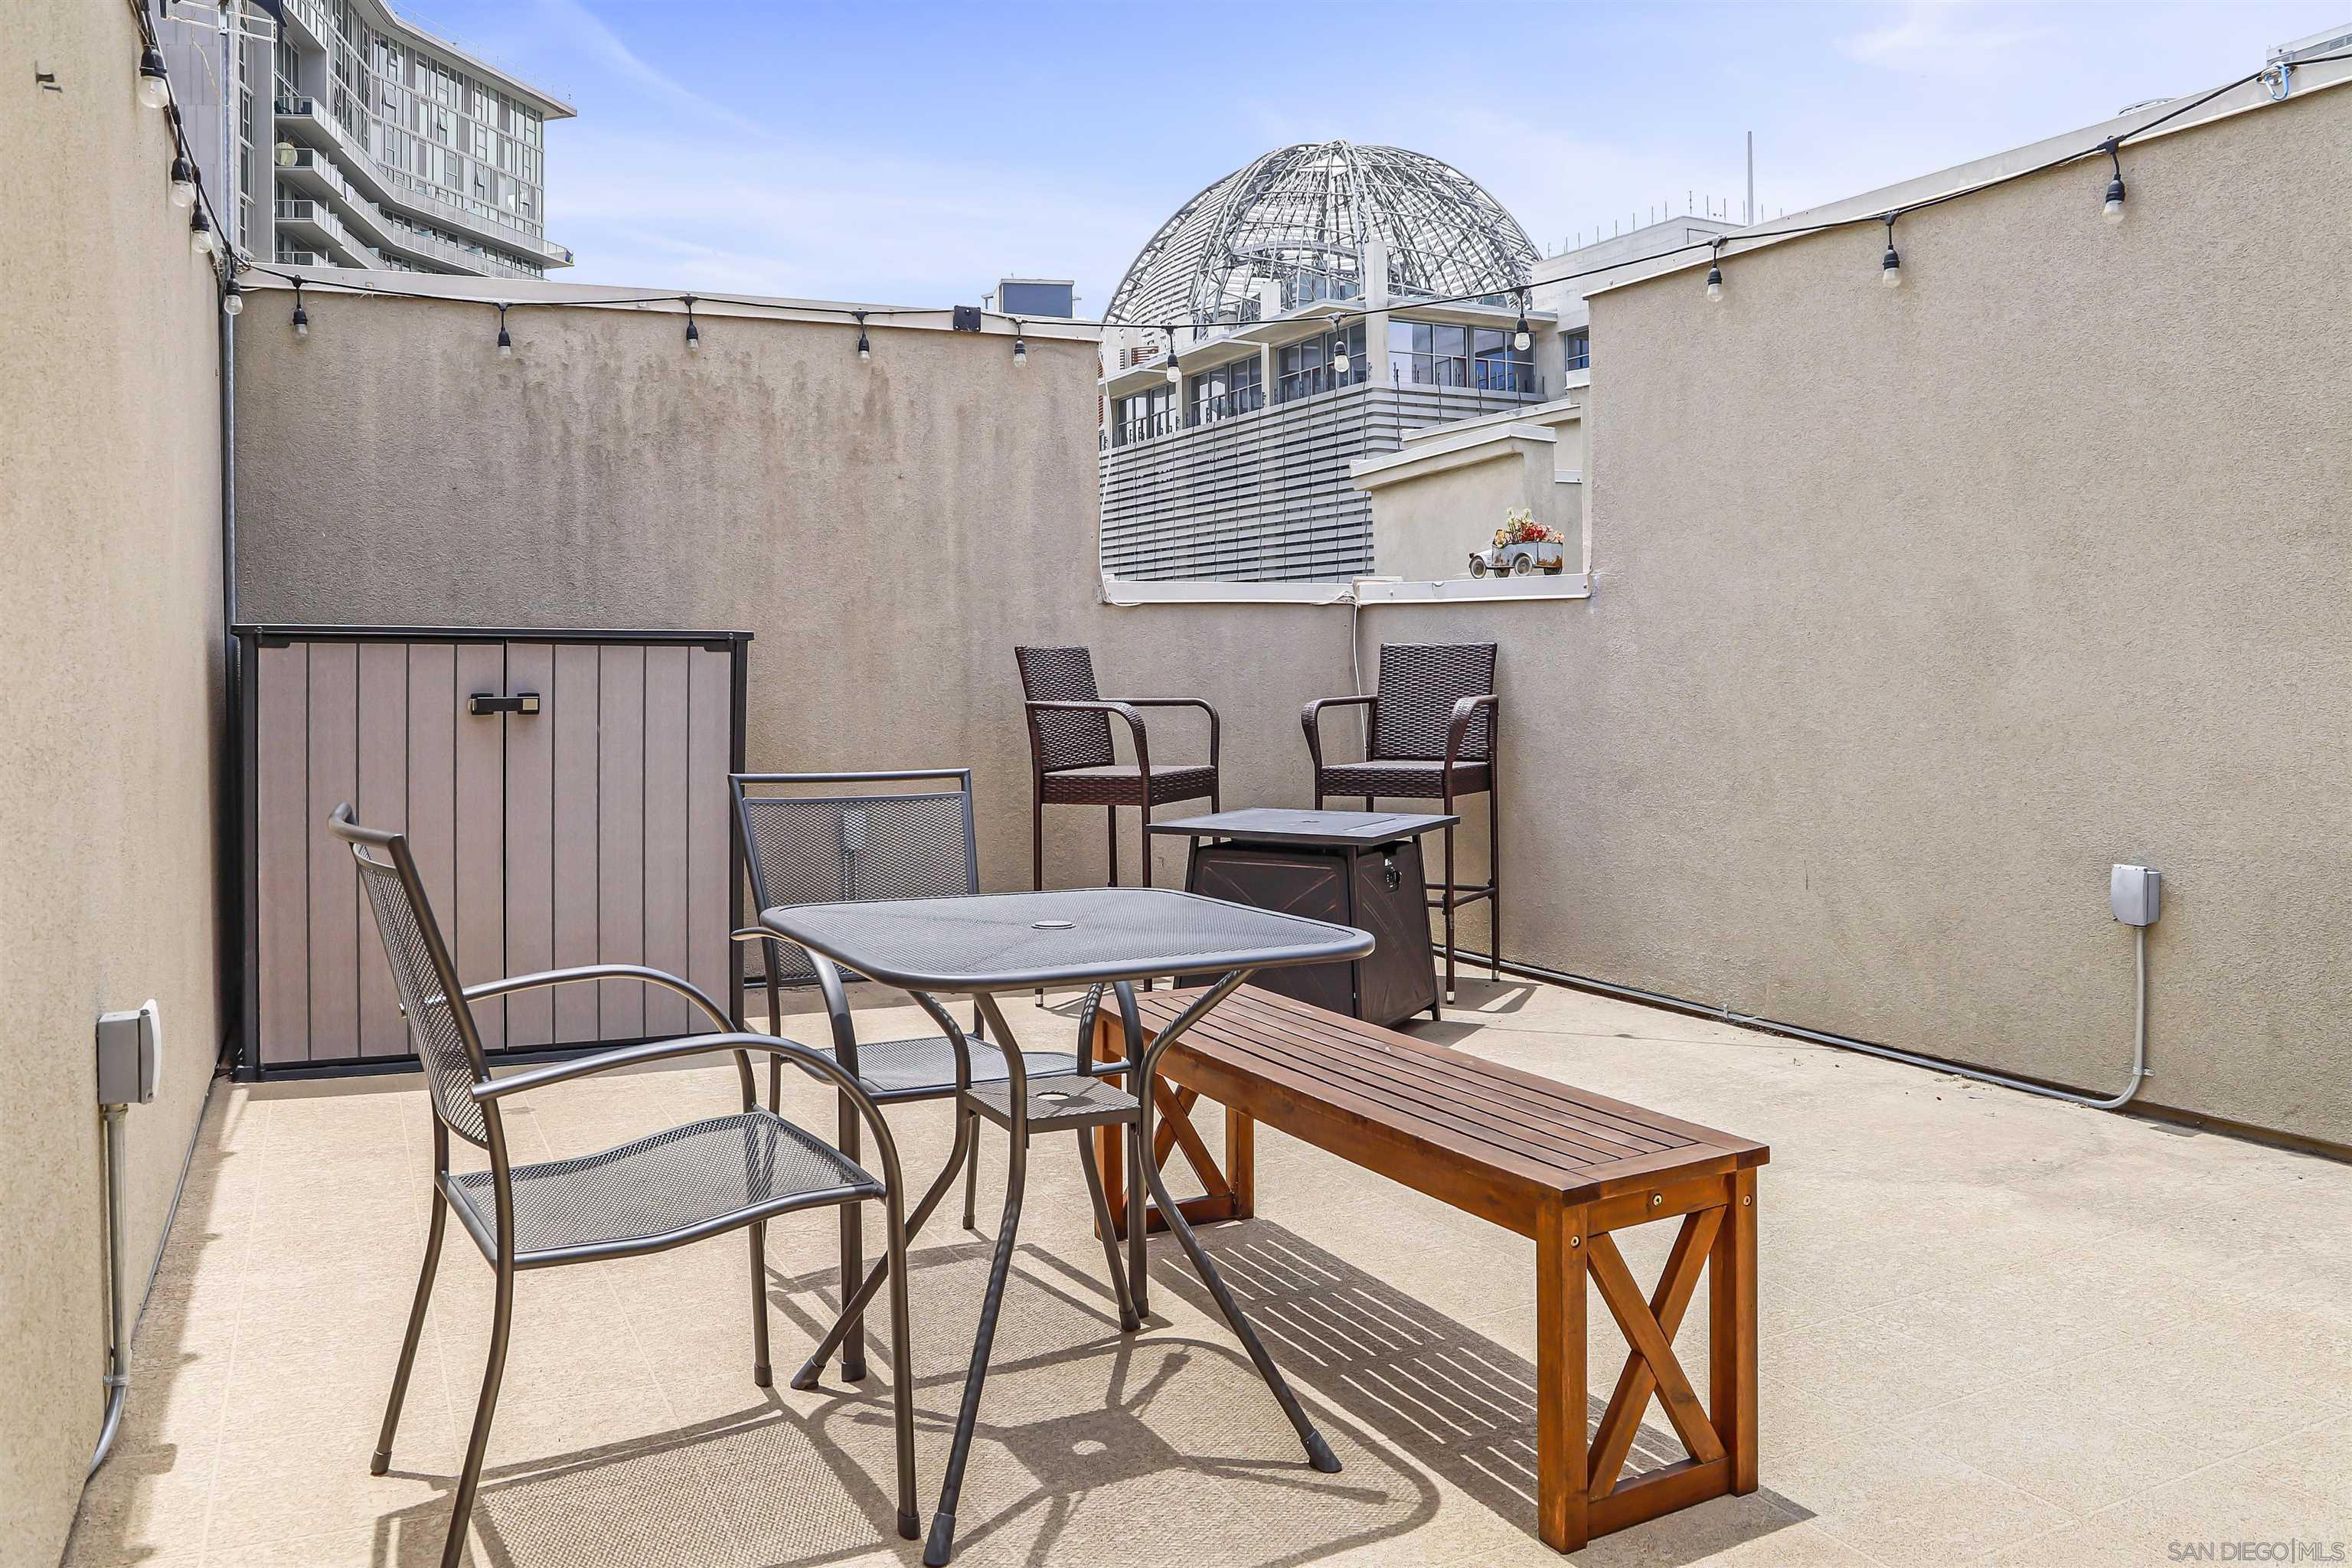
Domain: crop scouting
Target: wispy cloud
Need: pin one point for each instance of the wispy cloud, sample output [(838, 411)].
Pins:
[(1946, 39)]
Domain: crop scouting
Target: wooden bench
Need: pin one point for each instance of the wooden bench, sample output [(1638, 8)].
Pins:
[(1538, 1157)]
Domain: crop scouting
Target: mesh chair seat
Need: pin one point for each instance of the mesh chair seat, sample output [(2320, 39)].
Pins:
[(1121, 783), (1401, 778), (900, 1069), (684, 1179)]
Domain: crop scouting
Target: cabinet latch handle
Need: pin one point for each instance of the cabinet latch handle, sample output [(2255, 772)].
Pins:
[(482, 703)]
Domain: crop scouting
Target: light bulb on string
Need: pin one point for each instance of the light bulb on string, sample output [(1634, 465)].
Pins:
[(200, 234), (184, 184), (1020, 347), (1715, 275), (693, 332), (506, 341), (864, 349), (1174, 372), (1521, 338), (2112, 209), (232, 298), (1890, 266), (155, 87), (301, 316)]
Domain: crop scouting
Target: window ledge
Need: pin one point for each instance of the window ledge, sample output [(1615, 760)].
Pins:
[(1365, 592)]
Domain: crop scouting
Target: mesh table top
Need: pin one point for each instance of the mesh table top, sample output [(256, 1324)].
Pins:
[(1063, 936)]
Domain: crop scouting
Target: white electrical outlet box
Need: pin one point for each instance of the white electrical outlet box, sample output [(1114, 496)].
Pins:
[(2135, 893), (130, 1056)]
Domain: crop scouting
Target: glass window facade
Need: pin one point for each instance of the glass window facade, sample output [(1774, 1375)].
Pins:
[(1150, 413), (1237, 386), (1435, 353), (1304, 368)]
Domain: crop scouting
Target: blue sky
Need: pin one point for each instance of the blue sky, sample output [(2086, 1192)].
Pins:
[(914, 152)]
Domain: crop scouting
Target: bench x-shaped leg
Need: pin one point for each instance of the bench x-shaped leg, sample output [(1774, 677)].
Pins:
[(1649, 1327)]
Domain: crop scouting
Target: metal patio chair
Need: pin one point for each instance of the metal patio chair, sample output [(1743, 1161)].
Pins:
[(1431, 735), (680, 1185), (815, 842), (1073, 763)]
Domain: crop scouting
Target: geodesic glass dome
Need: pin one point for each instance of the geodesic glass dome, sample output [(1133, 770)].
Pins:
[(1299, 218)]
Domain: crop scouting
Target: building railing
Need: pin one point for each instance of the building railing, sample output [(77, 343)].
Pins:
[(304, 107)]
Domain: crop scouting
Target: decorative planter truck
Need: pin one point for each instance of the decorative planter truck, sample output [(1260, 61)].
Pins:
[(1518, 559), (1522, 548)]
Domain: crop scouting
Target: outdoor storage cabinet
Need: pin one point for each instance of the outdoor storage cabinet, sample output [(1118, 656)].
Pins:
[(565, 796)]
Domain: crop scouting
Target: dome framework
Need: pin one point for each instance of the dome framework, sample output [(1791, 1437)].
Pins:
[(1302, 215)]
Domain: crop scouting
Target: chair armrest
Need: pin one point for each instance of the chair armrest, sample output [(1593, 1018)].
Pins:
[(637, 972), (1214, 727), (1310, 719), (655, 1051), (1459, 726), (1126, 710)]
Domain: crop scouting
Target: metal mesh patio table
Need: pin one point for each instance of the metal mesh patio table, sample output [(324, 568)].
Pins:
[(983, 944)]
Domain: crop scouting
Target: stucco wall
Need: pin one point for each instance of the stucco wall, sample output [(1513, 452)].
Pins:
[(109, 627), (889, 532), (1917, 608)]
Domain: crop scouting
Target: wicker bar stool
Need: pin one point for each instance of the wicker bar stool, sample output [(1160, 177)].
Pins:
[(1071, 759), (1431, 735)]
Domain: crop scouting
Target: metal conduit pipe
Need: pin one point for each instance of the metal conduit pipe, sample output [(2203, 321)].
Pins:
[(2139, 1072)]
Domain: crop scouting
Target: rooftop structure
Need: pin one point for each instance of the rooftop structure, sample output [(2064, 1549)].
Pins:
[(1295, 225)]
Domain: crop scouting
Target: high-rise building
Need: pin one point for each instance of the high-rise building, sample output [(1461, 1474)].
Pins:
[(339, 133), (395, 148)]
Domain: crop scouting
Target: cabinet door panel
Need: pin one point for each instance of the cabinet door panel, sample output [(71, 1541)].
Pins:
[(530, 845), (571, 710), (480, 833)]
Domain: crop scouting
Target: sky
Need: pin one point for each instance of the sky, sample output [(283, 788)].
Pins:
[(913, 153)]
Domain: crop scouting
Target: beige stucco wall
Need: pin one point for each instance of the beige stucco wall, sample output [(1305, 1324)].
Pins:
[(1916, 609), (889, 532), (1438, 499), (109, 627)]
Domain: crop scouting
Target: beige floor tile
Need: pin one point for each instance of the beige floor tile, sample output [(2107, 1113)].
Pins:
[(1993, 1343)]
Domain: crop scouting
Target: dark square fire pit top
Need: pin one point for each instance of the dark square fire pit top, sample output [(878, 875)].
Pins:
[(1017, 941), (1336, 829)]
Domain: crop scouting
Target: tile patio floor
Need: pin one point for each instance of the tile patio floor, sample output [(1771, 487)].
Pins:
[(1993, 1328)]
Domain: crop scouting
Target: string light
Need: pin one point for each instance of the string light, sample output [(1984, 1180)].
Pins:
[(200, 234), (183, 183), (301, 316), (2112, 211), (155, 87), (1715, 275), (1020, 346), (1890, 266), (1339, 360), (864, 349), (506, 342), (1175, 373), (1522, 339), (232, 297), (693, 333)]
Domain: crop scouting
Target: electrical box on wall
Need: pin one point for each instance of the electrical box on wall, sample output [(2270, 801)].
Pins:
[(130, 1056), (2135, 893)]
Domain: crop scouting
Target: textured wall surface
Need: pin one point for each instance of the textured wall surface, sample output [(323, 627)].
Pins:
[(889, 532), (1917, 608), (110, 601)]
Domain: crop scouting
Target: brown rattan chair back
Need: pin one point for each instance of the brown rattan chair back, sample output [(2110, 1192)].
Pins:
[(1419, 684), (1065, 739), (439, 1020)]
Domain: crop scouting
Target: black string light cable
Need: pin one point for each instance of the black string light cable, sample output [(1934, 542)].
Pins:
[(207, 236), (1890, 262)]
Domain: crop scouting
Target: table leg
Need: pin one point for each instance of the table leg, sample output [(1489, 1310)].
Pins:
[(941, 1544), (1560, 1484)]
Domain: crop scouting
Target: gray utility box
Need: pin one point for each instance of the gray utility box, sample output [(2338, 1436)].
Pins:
[(564, 795)]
